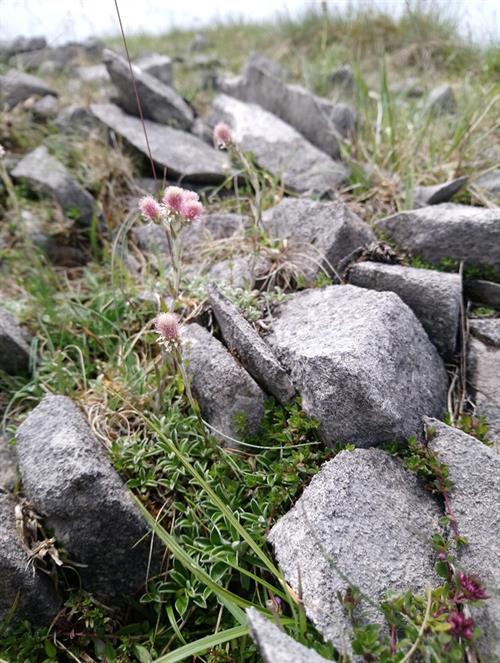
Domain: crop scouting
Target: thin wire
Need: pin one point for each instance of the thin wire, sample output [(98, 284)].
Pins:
[(138, 101)]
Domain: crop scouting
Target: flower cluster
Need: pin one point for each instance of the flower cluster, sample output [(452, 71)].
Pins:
[(470, 588), (183, 203), (461, 626)]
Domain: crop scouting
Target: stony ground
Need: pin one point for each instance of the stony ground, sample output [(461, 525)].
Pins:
[(268, 431)]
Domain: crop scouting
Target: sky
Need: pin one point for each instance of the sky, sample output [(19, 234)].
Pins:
[(66, 20)]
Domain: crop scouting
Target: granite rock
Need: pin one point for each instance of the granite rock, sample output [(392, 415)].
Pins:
[(459, 232), (254, 353), (14, 348), (69, 479), (8, 466), (159, 102), (159, 66), (434, 297), (228, 397), (46, 175), (490, 182), (483, 376), (19, 580), (279, 148), (474, 497), (437, 193), (15, 87), (319, 234), (361, 361), (364, 521), (180, 153)]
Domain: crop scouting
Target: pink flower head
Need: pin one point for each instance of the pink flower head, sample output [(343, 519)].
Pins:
[(472, 588), (150, 209), (461, 626), (222, 135), (190, 195), (173, 198), (191, 209), (167, 326)]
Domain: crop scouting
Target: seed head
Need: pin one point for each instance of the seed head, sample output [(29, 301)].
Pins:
[(173, 198), (222, 135), (150, 208), (167, 326)]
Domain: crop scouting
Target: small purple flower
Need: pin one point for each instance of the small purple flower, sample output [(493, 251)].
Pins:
[(167, 326), (461, 626), (471, 588), (222, 135), (150, 209)]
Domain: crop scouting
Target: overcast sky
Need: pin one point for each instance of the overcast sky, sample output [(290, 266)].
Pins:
[(64, 20)]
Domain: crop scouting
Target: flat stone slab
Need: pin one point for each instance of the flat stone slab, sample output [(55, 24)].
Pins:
[(181, 153), (275, 645), (317, 119), (474, 499), (363, 521), (279, 148), (483, 292), (253, 352), (38, 601), (437, 193), (14, 349), (159, 101), (68, 477), (434, 297), (319, 234), (228, 397), (361, 361), (483, 376), (48, 176), (15, 87), (435, 232)]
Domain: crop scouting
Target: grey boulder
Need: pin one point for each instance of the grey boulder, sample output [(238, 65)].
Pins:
[(14, 348), (365, 522), (96, 73), (441, 100), (228, 397), (159, 102), (434, 297), (46, 108), (69, 479), (486, 330), (435, 232), (275, 645), (319, 234), (15, 87), (474, 498), (19, 580), (181, 153), (483, 374), (342, 79), (159, 66), (317, 119), (279, 148), (362, 363), (437, 193), (253, 352), (46, 175), (11, 47)]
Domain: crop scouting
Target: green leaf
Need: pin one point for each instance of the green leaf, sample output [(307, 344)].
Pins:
[(50, 649), (181, 604), (142, 654), (200, 646)]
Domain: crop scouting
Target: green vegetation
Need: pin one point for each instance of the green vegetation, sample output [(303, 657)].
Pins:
[(212, 507)]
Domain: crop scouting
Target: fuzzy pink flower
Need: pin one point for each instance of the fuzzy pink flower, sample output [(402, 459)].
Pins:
[(150, 208), (191, 209), (190, 195), (167, 326), (173, 198), (222, 135)]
